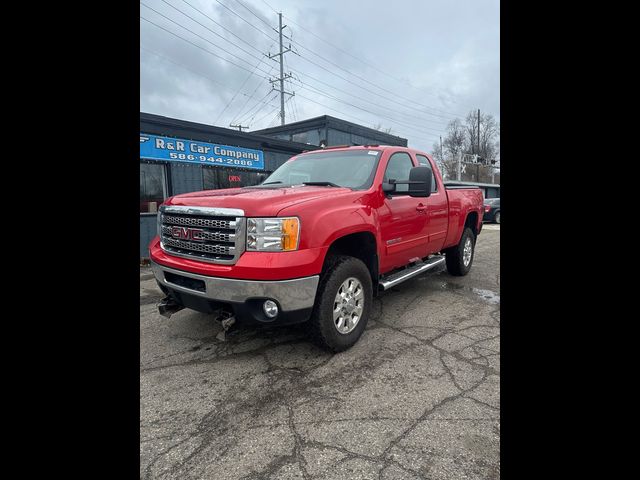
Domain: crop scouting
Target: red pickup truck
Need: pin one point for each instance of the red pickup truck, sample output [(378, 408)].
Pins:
[(316, 241)]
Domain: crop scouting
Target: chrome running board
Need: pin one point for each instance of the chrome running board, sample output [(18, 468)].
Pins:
[(395, 278)]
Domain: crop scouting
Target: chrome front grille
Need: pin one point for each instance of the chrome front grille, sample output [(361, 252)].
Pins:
[(213, 235), (200, 222), (200, 247)]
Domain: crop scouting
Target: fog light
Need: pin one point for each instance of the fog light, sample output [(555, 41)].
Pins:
[(270, 309)]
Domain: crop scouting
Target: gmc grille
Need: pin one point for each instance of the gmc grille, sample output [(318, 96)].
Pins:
[(206, 234)]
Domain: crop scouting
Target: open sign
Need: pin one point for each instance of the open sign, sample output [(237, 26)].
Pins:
[(234, 178)]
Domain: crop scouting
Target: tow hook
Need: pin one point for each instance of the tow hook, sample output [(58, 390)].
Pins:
[(168, 307), (227, 319)]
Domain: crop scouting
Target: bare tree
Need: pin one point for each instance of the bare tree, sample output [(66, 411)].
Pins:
[(462, 138), (489, 135), (453, 146), (438, 157), (380, 128)]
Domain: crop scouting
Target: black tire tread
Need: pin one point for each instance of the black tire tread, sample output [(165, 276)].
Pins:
[(453, 255), (331, 274)]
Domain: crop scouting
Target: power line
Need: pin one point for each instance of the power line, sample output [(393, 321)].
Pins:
[(261, 59), (356, 57), (246, 117), (342, 68), (250, 122), (198, 73), (328, 95), (248, 100), (201, 48), (393, 100), (246, 21), (349, 115), (294, 103), (203, 38), (439, 123), (227, 60), (260, 102), (369, 82), (369, 90), (255, 14), (235, 95), (269, 6), (236, 56), (223, 27), (399, 122)]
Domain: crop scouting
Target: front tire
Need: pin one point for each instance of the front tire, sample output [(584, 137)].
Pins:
[(496, 217), (460, 257), (343, 303)]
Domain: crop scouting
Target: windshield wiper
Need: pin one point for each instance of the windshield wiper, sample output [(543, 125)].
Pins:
[(270, 183), (322, 184)]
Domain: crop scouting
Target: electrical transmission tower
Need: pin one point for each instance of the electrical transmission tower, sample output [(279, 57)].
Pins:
[(282, 76)]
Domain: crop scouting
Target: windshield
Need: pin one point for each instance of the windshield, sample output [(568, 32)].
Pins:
[(352, 169)]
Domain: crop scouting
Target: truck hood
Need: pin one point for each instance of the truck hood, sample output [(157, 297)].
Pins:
[(257, 202)]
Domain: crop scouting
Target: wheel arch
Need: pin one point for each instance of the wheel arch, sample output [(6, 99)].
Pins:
[(472, 222), (361, 245)]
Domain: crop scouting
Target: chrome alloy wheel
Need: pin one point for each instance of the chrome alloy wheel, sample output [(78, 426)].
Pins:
[(466, 253), (348, 305)]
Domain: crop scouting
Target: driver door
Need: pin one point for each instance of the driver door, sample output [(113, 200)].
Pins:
[(403, 218)]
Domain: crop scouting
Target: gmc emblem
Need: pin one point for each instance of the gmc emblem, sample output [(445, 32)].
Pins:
[(186, 233)]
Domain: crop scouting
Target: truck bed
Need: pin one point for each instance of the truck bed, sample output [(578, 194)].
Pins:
[(463, 201)]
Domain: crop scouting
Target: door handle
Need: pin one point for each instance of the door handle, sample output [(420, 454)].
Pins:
[(421, 207)]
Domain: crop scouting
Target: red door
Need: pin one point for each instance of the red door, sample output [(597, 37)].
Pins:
[(437, 210), (403, 219)]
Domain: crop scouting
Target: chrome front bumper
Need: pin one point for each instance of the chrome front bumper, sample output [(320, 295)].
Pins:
[(296, 294)]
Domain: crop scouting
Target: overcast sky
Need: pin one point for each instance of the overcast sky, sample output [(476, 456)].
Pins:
[(408, 65)]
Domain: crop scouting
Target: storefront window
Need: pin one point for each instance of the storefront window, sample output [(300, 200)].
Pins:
[(153, 187), (216, 178)]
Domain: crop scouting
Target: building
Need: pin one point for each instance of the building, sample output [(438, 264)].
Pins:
[(178, 156), (329, 131)]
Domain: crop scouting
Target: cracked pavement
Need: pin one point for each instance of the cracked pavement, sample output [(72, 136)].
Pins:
[(418, 397)]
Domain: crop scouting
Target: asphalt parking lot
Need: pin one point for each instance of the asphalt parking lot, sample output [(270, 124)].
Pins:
[(417, 397)]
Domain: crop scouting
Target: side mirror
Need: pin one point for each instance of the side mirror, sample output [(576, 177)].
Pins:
[(420, 181), (388, 187)]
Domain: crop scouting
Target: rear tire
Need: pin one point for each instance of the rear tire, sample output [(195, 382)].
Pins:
[(496, 217), (460, 258), (332, 319)]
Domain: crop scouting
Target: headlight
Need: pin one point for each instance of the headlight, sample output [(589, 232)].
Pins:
[(273, 234)]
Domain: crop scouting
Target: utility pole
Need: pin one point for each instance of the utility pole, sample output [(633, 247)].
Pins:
[(478, 153), (459, 169), (441, 156), (282, 77), (239, 127)]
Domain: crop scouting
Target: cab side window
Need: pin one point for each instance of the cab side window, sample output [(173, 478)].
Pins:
[(422, 160), (398, 169)]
